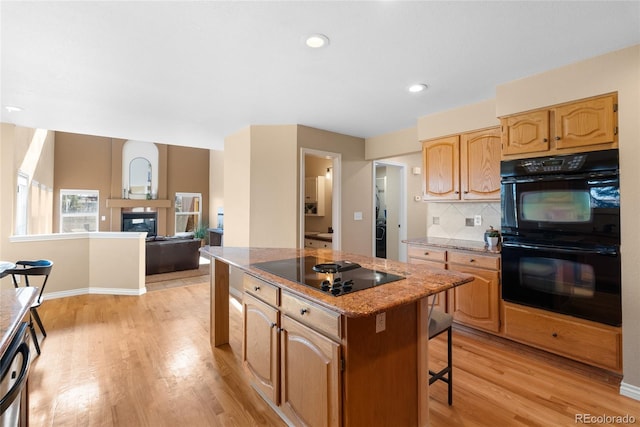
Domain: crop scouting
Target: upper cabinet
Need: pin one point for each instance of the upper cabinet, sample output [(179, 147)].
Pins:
[(314, 195), (463, 167), (585, 125)]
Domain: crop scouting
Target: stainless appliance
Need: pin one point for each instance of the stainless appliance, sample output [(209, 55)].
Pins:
[(561, 234), (332, 277), (14, 371)]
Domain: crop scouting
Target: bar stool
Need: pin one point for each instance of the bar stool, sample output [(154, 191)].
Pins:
[(439, 322)]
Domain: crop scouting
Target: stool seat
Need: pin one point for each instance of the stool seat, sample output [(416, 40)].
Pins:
[(439, 322)]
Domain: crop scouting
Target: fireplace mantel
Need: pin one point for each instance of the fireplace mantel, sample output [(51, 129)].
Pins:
[(138, 203)]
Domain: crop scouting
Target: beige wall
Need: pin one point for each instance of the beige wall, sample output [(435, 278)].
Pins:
[(216, 185), (237, 188), (32, 151), (467, 118), (392, 144), (91, 162), (616, 71), (356, 185), (83, 263)]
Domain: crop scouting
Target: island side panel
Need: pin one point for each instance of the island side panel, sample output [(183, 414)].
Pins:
[(219, 321), (423, 362), (381, 369)]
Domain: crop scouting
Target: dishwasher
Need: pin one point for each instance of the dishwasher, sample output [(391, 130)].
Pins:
[(14, 371)]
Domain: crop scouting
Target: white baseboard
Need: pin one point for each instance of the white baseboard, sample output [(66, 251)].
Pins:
[(632, 391), (95, 291)]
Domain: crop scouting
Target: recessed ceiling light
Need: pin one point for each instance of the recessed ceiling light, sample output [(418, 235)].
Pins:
[(316, 41), (12, 108), (419, 87)]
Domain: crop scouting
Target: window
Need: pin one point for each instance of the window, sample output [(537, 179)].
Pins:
[(188, 212), (22, 205), (78, 210)]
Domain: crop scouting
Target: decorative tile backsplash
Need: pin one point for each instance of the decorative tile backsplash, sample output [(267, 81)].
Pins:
[(449, 220)]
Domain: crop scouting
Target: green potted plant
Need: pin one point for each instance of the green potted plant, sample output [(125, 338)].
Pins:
[(202, 232), (492, 237)]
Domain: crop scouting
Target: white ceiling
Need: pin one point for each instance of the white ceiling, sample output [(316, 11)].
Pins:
[(191, 73)]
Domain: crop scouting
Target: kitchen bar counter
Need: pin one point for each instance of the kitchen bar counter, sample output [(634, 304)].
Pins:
[(468, 245), (361, 358), (420, 282), (14, 305)]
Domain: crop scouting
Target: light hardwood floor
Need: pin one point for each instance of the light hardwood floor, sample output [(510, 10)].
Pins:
[(146, 361)]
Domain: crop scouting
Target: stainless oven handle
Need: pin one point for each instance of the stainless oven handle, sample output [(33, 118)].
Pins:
[(13, 393), (542, 178), (566, 249)]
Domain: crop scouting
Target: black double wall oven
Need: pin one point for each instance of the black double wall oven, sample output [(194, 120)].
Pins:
[(561, 234)]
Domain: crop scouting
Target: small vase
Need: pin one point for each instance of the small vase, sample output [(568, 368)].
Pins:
[(493, 242)]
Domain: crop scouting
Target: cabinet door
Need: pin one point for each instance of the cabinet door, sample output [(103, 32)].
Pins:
[(438, 300), (525, 133), (260, 346), (480, 165), (310, 190), (441, 160), (477, 303), (310, 369), (585, 123)]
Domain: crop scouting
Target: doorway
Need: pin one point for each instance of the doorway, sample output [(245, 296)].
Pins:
[(389, 210), (320, 173)]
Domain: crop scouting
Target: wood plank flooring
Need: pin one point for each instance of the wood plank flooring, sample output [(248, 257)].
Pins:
[(146, 361)]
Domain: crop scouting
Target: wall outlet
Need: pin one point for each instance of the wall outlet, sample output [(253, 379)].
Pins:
[(381, 322), (477, 220), (357, 216)]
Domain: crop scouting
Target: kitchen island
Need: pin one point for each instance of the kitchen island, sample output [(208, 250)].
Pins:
[(356, 359)]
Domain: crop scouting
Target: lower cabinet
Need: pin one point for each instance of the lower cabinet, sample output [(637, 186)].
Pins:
[(475, 304), (260, 349), (310, 376), (290, 362)]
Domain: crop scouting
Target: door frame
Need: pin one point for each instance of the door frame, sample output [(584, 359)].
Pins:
[(402, 209), (336, 191)]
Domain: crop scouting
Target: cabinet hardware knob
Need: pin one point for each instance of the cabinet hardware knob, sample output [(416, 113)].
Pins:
[(466, 192), (303, 311), (280, 330), (273, 325), (557, 138), (456, 192), (256, 288), (426, 253), (472, 260), (545, 140), (555, 335)]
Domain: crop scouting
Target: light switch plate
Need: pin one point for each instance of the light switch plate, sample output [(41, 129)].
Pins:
[(477, 220), (357, 216)]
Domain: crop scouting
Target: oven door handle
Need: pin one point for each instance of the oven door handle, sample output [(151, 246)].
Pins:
[(8, 399), (555, 177), (612, 251)]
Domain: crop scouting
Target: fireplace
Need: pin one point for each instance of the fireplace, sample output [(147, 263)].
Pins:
[(140, 222)]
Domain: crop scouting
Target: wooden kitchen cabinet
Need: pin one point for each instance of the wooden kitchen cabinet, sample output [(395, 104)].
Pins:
[(463, 167), (260, 349), (589, 342), (291, 353), (585, 125), (430, 257), (476, 304), (314, 195), (311, 386)]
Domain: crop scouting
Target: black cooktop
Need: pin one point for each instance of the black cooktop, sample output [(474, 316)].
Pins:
[(332, 277)]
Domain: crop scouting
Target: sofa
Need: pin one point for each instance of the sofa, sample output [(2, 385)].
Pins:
[(167, 254)]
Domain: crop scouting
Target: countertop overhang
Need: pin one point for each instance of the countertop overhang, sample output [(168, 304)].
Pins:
[(14, 304), (420, 280)]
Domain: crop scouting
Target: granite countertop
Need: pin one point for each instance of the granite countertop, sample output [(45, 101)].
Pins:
[(316, 235), (419, 282), (468, 245), (14, 304)]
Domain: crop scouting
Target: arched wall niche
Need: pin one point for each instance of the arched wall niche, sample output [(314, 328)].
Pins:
[(133, 151)]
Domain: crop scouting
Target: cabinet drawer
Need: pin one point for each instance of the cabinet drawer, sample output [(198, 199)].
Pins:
[(312, 315), (471, 259), (261, 289), (579, 340), (427, 253)]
